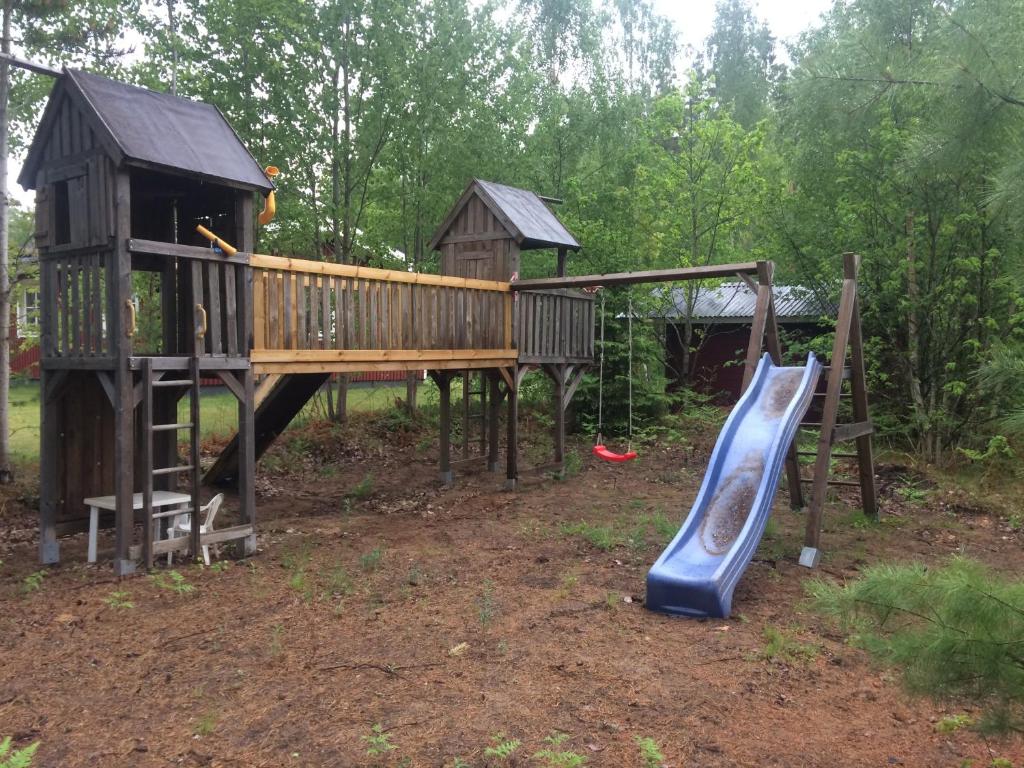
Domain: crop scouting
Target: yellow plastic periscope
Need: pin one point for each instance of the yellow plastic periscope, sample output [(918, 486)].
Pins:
[(228, 249), (270, 203)]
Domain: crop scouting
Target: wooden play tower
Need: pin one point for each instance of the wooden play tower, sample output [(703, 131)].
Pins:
[(124, 176)]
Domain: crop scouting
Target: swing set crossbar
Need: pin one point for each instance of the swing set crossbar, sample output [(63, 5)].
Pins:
[(632, 278)]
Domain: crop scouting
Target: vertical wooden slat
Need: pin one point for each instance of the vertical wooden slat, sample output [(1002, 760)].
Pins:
[(260, 306), (86, 314), (231, 314), (288, 317), (213, 313), (199, 346), (75, 275), (325, 313)]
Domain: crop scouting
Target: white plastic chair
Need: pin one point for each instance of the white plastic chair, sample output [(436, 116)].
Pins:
[(183, 525)]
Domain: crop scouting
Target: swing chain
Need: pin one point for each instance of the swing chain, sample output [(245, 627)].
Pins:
[(600, 381), (629, 445)]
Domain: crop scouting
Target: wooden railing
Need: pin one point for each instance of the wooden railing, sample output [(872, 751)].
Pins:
[(555, 326), (312, 315), (74, 301)]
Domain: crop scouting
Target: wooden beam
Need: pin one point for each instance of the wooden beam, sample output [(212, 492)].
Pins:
[(259, 261), (376, 355), (176, 250), (31, 66), (393, 365), (632, 278), (843, 432)]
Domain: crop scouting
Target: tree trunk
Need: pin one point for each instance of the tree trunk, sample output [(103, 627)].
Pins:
[(913, 347), (6, 471)]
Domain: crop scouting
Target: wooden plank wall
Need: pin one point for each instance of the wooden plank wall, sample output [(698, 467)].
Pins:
[(555, 326), (85, 453), (300, 310), (478, 246)]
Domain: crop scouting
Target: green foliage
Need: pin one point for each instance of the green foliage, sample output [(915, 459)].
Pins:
[(603, 537), (486, 607), (502, 748), (32, 582), (206, 725), (553, 757), (173, 581), (378, 741), (953, 723), (119, 600), (370, 561), (363, 489), (953, 630), (780, 645), (650, 753), (16, 758)]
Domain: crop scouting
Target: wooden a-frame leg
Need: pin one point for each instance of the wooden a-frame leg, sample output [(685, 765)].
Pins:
[(812, 536), (858, 385), (49, 548)]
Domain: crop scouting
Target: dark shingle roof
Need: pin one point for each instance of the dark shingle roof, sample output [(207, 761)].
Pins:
[(523, 213), (735, 302), (160, 130)]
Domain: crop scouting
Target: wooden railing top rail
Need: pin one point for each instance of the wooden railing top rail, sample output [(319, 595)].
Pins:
[(308, 266)]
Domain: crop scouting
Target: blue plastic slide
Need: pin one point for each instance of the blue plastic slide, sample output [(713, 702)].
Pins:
[(697, 573)]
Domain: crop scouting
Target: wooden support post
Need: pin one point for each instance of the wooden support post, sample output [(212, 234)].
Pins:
[(562, 253), (760, 320), (147, 462), (493, 419), (558, 374), (49, 452), (466, 389), (512, 439), (443, 380), (194, 473), (771, 334), (124, 406), (247, 460)]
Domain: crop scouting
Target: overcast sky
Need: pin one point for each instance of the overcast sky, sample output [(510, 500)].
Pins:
[(786, 18)]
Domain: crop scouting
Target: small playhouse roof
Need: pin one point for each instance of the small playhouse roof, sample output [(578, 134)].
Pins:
[(735, 302), (151, 129), (522, 212)]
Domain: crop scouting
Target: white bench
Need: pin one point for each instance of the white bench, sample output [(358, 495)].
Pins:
[(178, 501)]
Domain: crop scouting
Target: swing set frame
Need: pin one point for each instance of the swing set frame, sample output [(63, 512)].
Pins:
[(848, 348)]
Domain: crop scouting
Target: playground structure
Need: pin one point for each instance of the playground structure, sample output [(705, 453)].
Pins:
[(124, 175)]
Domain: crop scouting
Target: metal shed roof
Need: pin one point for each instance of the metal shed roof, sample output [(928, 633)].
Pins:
[(735, 302), (523, 213), (156, 130)]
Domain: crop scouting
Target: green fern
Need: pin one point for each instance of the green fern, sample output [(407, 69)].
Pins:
[(502, 748), (16, 758)]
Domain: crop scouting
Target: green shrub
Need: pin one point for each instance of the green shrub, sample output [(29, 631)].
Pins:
[(956, 630)]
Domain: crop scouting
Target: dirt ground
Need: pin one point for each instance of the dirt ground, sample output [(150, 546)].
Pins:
[(446, 617)]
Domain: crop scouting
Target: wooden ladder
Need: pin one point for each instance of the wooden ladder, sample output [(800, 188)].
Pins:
[(847, 364), (151, 381), (471, 417)]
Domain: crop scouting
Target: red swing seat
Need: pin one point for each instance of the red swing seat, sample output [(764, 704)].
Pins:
[(602, 452)]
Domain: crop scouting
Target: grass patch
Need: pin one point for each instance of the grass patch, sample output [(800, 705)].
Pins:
[(780, 645)]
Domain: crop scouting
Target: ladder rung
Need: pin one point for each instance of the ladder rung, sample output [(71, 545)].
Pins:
[(846, 370), (173, 383), (172, 427), (852, 483), (822, 394), (834, 454), (172, 470)]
